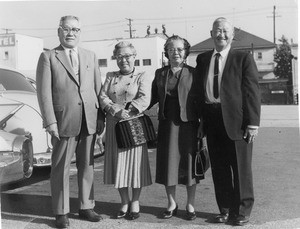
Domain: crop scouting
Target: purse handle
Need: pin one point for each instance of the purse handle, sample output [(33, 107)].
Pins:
[(134, 117)]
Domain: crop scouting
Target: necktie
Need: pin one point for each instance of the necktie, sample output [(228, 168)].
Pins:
[(216, 76), (74, 62)]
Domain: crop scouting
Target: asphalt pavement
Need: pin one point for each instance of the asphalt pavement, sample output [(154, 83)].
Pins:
[(27, 205)]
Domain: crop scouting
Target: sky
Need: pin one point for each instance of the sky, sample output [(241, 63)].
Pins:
[(191, 19)]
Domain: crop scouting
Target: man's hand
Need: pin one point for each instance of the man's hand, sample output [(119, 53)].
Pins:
[(53, 130), (250, 134)]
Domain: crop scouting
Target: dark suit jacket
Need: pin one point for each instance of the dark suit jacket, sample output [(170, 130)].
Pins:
[(189, 97), (62, 98), (239, 91)]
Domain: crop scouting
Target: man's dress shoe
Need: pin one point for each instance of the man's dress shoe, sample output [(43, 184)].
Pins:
[(62, 221), (90, 215), (240, 220)]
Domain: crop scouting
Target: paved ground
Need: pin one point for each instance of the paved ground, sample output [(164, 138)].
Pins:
[(276, 179)]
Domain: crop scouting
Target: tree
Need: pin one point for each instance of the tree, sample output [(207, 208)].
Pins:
[(283, 69), (283, 58)]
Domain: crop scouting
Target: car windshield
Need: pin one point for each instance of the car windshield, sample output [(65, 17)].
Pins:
[(10, 80)]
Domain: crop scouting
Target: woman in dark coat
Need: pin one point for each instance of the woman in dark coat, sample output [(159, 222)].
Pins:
[(175, 89)]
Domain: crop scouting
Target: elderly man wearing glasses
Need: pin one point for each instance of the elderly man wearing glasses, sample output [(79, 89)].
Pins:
[(68, 88)]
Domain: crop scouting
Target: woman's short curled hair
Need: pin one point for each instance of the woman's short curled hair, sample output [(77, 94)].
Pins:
[(123, 44), (186, 45)]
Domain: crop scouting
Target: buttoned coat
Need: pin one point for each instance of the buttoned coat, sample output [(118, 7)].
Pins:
[(62, 97)]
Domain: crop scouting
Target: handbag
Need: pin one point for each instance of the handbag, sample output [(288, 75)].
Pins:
[(134, 131), (201, 159)]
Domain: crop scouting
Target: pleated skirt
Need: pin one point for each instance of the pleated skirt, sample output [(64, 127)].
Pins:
[(125, 167)]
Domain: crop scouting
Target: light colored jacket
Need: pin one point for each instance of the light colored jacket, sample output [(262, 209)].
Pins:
[(62, 98)]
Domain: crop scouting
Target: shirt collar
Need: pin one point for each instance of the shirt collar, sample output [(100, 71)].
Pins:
[(68, 49), (224, 52)]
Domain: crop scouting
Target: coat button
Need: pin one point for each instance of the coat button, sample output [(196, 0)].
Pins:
[(79, 103)]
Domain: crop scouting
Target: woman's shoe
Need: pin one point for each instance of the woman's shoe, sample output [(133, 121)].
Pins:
[(190, 215), (169, 214), (122, 214), (133, 215)]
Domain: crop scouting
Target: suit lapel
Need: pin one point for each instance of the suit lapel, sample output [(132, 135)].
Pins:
[(83, 65), (229, 60), (206, 64), (165, 74), (64, 59), (186, 80)]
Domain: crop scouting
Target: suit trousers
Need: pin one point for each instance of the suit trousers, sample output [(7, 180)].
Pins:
[(231, 166), (63, 151)]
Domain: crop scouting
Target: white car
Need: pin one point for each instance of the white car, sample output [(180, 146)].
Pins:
[(19, 104), (16, 156)]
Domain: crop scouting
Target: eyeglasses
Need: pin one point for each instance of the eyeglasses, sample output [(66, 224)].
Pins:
[(127, 57), (68, 30), (220, 31), (172, 50)]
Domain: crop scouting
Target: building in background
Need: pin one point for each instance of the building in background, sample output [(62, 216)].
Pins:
[(20, 52), (273, 89), (150, 52)]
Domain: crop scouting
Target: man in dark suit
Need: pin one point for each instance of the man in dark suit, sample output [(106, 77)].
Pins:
[(231, 116), (68, 86)]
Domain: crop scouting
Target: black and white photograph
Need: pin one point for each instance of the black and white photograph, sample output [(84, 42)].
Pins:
[(149, 114)]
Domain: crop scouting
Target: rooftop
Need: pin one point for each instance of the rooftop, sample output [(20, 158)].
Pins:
[(242, 40)]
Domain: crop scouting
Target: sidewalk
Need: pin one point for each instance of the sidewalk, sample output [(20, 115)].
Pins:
[(276, 183), (280, 116)]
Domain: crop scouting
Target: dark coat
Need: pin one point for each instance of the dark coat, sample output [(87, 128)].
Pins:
[(188, 94), (239, 90)]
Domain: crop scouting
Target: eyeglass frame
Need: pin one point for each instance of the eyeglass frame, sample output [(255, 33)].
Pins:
[(179, 50), (127, 57), (67, 30)]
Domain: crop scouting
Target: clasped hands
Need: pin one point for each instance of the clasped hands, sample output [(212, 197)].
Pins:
[(127, 113)]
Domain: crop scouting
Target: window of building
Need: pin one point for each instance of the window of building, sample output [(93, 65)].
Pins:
[(137, 63), (146, 62), (259, 55), (5, 56), (102, 62)]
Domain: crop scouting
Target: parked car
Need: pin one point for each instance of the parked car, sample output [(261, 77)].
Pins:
[(18, 99), (16, 157)]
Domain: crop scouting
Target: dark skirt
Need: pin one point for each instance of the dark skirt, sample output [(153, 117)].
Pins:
[(177, 142)]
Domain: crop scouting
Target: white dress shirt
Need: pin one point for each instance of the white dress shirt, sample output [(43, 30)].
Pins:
[(210, 79)]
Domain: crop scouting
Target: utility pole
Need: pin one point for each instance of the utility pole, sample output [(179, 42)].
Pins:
[(130, 29), (274, 26), (6, 30)]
